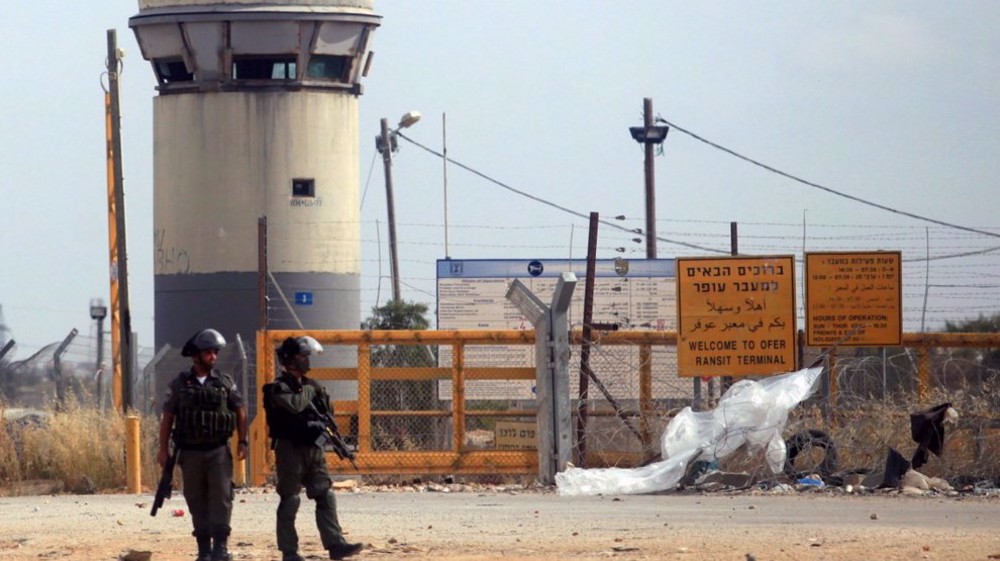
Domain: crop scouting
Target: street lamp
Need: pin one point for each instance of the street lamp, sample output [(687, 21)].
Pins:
[(98, 311), (385, 143), (649, 135)]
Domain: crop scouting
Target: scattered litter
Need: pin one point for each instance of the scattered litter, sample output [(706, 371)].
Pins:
[(812, 439), (751, 412), (927, 430), (178, 512), (896, 467)]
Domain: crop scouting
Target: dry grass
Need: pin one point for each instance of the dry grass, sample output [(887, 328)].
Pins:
[(81, 450), (864, 430), (75, 449)]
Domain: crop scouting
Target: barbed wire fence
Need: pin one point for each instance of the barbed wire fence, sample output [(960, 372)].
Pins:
[(70, 370), (854, 420), (863, 408)]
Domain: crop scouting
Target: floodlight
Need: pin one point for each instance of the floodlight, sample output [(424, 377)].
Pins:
[(649, 135), (409, 119)]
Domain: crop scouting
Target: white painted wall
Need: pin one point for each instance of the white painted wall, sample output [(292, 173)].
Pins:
[(224, 159)]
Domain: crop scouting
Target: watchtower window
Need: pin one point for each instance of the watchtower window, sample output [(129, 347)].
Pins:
[(331, 67), (169, 71), (264, 68), (303, 187)]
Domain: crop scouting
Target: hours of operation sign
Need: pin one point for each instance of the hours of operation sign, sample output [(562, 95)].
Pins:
[(736, 316), (854, 299)]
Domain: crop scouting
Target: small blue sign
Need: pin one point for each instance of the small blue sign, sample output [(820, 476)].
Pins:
[(303, 298), (535, 268)]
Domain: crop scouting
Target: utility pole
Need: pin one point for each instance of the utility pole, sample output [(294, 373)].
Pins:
[(390, 203), (649, 135), (588, 320), (121, 320), (650, 175), (444, 162)]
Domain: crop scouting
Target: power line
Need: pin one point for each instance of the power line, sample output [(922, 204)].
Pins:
[(827, 189), (549, 203)]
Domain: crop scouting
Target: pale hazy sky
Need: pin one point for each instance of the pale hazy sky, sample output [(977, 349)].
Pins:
[(892, 102)]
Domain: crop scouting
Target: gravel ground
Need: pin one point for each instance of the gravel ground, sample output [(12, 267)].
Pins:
[(525, 524)]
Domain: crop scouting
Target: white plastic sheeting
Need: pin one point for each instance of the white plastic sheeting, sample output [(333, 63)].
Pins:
[(751, 412)]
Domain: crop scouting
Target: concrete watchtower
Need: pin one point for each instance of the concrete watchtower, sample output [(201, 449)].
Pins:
[(256, 115)]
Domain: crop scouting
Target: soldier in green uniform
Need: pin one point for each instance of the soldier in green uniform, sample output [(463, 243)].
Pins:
[(300, 460), (201, 410)]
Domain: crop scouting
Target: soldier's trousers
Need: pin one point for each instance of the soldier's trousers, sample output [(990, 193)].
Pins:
[(301, 466), (208, 489)]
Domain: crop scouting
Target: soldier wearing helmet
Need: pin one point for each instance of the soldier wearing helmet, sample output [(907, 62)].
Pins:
[(300, 461), (201, 410)]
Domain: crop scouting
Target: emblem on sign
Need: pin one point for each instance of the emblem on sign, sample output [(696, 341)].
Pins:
[(621, 266)]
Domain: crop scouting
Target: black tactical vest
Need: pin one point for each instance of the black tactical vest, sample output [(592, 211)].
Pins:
[(283, 424), (203, 415)]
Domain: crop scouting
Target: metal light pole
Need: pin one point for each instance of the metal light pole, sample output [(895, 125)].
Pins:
[(98, 311), (385, 143), (649, 135)]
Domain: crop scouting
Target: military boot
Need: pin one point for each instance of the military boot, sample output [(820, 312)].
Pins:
[(220, 551), (345, 550), (291, 556), (204, 548)]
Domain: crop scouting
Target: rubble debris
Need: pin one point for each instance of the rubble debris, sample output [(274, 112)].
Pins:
[(718, 480)]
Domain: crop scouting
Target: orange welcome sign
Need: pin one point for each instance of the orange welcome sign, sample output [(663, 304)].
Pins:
[(736, 316)]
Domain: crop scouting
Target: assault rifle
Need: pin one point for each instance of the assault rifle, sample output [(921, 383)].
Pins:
[(331, 436), (165, 488)]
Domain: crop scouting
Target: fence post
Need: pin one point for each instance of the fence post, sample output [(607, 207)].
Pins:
[(458, 394), (646, 398), (364, 398), (57, 368), (558, 328), (133, 456)]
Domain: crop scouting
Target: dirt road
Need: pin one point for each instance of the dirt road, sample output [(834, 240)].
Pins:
[(533, 526)]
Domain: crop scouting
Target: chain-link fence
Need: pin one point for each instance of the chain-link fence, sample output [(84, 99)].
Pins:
[(415, 406), (861, 411)]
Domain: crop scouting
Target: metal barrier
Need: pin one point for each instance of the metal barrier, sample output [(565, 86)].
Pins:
[(411, 404), (417, 436)]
